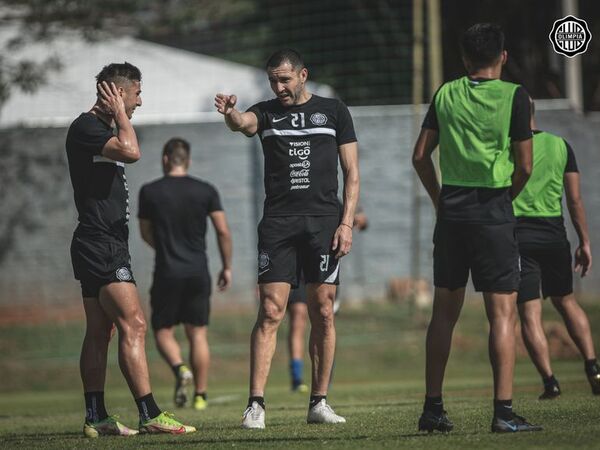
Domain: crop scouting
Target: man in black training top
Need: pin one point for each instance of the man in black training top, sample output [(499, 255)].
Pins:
[(482, 126), (173, 212), (302, 136), (100, 253), (546, 256)]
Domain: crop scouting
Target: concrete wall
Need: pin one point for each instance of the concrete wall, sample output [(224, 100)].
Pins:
[(37, 213)]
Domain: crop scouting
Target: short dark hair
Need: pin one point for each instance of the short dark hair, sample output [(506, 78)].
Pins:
[(177, 151), (286, 55), (482, 44), (117, 72)]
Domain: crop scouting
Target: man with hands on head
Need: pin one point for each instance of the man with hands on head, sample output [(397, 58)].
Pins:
[(302, 137), (100, 253)]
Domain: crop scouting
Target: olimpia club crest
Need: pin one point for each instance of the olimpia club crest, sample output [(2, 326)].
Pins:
[(570, 36)]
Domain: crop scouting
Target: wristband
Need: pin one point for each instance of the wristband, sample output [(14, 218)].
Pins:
[(346, 225)]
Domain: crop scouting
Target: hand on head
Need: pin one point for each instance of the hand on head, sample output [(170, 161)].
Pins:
[(110, 100)]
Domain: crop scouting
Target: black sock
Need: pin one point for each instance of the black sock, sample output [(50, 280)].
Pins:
[(147, 407), (175, 369), (434, 404), (503, 409), (259, 400), (203, 395), (315, 399), (549, 382), (591, 367), (94, 406)]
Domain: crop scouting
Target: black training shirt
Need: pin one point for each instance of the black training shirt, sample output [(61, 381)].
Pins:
[(545, 232), (300, 146), (99, 184), (483, 205), (178, 208)]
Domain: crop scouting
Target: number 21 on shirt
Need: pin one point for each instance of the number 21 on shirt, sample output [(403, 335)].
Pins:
[(296, 117)]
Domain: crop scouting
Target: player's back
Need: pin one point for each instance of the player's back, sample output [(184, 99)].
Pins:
[(474, 117), (178, 207)]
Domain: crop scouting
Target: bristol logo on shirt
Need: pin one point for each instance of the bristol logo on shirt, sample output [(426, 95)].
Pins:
[(318, 119), (124, 274)]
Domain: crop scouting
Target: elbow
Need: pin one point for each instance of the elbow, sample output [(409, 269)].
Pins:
[(526, 170), (418, 162), (133, 155)]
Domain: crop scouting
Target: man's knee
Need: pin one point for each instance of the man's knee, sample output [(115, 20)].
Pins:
[(271, 313), (321, 310), (135, 326)]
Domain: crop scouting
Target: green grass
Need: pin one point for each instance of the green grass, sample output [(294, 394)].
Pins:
[(378, 386)]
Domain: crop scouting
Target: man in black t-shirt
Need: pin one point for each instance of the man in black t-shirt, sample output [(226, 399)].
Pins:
[(546, 256), (100, 253), (173, 212), (302, 136)]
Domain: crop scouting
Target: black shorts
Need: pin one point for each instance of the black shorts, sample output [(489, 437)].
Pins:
[(291, 245), (551, 267), (180, 300), (490, 252), (98, 262), (298, 295)]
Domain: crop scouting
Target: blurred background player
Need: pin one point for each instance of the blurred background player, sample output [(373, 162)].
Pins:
[(173, 212), (482, 126), (298, 314), (100, 253), (303, 136), (546, 255)]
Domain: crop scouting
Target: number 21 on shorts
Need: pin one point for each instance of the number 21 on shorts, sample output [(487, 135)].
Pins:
[(324, 263)]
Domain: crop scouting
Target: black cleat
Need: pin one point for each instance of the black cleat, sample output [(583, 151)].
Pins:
[(550, 392), (515, 424), (430, 421), (594, 380)]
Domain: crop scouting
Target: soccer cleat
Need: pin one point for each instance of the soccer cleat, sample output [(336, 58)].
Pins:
[(429, 421), (107, 427), (550, 392), (164, 423), (594, 380), (515, 424), (184, 378), (200, 403), (254, 416), (323, 413)]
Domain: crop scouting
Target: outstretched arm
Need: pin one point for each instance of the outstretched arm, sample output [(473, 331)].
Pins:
[(246, 122), (583, 253), (423, 164)]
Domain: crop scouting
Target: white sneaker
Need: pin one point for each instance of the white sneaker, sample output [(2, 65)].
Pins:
[(322, 413), (254, 416)]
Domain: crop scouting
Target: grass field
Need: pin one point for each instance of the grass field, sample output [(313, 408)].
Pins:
[(378, 387)]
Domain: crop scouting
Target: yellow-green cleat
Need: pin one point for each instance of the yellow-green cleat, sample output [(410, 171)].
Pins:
[(107, 427), (200, 403), (165, 423)]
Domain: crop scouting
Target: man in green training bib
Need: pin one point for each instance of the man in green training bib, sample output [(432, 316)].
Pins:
[(482, 127), (546, 256)]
